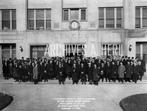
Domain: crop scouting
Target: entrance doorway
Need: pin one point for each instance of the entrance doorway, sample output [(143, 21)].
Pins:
[(141, 50), (141, 53), (8, 51), (74, 49), (37, 51)]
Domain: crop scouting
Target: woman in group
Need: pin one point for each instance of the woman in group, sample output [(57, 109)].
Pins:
[(121, 72), (96, 76)]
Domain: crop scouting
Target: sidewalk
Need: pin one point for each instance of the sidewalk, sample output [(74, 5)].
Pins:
[(12, 81)]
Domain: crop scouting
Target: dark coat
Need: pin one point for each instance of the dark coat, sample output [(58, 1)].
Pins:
[(82, 74), (108, 71), (74, 74), (61, 76), (135, 73), (95, 74), (140, 70), (113, 71), (129, 71), (89, 73)]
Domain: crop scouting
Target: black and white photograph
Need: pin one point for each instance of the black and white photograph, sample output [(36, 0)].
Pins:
[(73, 55)]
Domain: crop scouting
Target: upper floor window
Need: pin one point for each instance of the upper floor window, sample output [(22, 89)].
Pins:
[(74, 14), (8, 19), (39, 19), (141, 17), (110, 17)]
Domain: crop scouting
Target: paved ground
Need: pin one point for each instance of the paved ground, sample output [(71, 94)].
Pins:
[(30, 97)]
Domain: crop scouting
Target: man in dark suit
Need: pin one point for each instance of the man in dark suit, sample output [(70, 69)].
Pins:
[(75, 78), (83, 74), (61, 76)]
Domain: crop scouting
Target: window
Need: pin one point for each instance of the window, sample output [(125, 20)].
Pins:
[(65, 12), (83, 14), (144, 17), (138, 17), (111, 49), (110, 17), (101, 17), (141, 17), (119, 18), (39, 19), (74, 14), (8, 19), (48, 19)]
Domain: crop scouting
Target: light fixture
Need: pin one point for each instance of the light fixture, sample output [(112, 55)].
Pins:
[(130, 47), (21, 49)]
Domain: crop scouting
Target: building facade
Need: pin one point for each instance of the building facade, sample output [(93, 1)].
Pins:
[(37, 28)]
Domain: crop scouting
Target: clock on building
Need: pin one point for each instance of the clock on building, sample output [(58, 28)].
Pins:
[(74, 25)]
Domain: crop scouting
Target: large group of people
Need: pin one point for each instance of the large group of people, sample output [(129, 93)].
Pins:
[(79, 70)]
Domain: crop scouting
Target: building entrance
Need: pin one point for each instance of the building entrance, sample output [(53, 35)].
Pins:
[(8, 51), (141, 50), (37, 51)]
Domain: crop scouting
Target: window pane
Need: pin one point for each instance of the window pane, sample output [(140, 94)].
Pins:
[(13, 19), (48, 24), (144, 17), (13, 14), (144, 12), (39, 24), (74, 14), (119, 12), (119, 18), (48, 14), (138, 12), (101, 13), (65, 14), (144, 22), (119, 23), (101, 17), (101, 23), (5, 19), (83, 14), (39, 14), (31, 24), (109, 13), (30, 14), (110, 17), (137, 23), (14, 24)]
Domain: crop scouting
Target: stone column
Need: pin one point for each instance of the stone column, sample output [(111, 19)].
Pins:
[(141, 51), (129, 14), (1, 70), (21, 15), (0, 19)]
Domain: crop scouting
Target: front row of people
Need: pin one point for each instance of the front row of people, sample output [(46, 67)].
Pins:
[(79, 71)]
